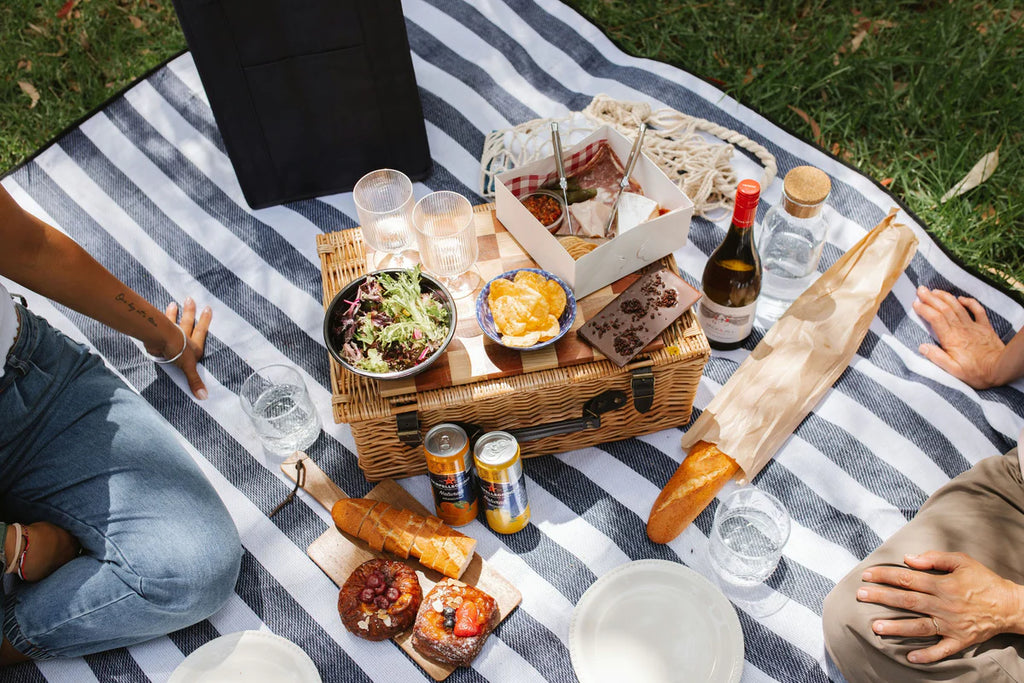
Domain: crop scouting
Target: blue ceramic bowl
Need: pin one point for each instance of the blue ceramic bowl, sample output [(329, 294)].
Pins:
[(486, 320)]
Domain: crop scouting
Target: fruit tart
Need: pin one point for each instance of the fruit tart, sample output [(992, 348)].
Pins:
[(379, 599), (453, 623)]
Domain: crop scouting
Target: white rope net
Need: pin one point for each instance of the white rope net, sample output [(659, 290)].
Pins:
[(681, 145)]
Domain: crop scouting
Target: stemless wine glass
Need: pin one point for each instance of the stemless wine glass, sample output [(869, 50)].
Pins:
[(447, 239), (276, 400), (747, 536), (384, 201)]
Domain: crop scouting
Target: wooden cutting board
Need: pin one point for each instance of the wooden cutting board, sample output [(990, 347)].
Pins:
[(338, 553)]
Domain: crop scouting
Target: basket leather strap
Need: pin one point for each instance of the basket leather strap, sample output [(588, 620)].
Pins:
[(642, 384), (409, 428)]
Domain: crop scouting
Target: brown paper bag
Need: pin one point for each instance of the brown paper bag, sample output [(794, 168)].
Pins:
[(804, 352)]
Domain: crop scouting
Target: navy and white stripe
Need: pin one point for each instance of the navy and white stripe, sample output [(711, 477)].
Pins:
[(146, 186)]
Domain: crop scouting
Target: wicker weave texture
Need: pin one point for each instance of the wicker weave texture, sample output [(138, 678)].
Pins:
[(382, 455)]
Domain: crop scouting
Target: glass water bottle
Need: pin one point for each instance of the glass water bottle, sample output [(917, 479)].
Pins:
[(792, 235)]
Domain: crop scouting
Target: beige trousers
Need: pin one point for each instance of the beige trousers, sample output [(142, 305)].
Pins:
[(980, 513)]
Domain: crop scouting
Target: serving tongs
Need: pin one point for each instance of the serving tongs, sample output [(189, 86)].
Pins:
[(634, 154), (556, 140)]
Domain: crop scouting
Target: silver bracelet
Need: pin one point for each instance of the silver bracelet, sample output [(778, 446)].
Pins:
[(184, 345)]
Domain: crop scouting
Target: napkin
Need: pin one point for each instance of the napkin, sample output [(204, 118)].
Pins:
[(804, 353)]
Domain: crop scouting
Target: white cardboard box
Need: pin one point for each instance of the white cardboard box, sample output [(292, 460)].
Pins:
[(617, 257)]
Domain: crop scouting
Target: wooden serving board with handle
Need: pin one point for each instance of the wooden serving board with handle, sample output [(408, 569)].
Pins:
[(338, 554)]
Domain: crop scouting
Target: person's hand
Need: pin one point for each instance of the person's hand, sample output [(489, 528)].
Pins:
[(966, 605), (195, 330), (969, 348)]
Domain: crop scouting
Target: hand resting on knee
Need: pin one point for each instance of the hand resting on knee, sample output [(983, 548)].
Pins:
[(964, 604)]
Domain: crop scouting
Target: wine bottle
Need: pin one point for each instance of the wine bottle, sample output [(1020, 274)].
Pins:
[(732, 277)]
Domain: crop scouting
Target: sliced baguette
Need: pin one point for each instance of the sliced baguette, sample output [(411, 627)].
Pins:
[(372, 530), (349, 513), (405, 534), (409, 537), (423, 543), (696, 482), (458, 553), (433, 541), (399, 539)]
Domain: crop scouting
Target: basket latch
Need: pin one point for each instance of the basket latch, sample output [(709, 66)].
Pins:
[(408, 428), (642, 384)]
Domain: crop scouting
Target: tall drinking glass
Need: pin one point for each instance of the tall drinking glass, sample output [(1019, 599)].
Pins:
[(384, 202), (748, 534), (446, 235), (276, 400)]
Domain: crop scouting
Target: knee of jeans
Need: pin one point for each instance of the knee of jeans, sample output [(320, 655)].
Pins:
[(210, 576)]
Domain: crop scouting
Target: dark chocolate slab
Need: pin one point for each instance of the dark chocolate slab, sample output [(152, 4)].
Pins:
[(630, 321)]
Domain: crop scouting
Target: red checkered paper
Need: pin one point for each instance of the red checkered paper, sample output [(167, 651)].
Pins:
[(526, 184)]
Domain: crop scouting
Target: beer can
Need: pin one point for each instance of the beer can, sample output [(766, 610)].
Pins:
[(450, 469), (499, 469)]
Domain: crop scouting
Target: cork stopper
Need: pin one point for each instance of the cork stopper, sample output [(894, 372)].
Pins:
[(806, 189)]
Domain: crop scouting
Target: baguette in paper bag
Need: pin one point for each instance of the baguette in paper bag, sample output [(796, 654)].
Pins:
[(784, 377)]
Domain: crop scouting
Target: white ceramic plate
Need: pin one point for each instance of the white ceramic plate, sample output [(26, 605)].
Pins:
[(655, 621), (250, 656)]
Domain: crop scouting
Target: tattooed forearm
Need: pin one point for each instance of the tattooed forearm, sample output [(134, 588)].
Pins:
[(132, 308)]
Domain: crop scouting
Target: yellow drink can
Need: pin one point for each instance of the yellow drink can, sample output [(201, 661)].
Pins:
[(499, 469)]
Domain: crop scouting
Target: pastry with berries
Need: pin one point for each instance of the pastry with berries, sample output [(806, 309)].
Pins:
[(453, 623), (379, 599)]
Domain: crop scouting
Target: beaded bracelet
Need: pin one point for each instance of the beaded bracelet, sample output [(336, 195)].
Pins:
[(184, 345)]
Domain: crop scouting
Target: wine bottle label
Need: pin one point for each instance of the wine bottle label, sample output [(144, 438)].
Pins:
[(725, 324)]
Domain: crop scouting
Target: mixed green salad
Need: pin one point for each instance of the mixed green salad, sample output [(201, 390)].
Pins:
[(390, 324)]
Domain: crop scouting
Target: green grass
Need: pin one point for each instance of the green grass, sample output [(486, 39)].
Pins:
[(75, 62), (926, 91), (910, 93)]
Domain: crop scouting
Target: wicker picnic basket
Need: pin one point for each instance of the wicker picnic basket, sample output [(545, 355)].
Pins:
[(658, 387)]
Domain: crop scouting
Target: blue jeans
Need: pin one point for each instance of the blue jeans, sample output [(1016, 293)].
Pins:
[(78, 448)]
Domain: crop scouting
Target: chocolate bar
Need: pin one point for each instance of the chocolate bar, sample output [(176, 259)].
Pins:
[(630, 321)]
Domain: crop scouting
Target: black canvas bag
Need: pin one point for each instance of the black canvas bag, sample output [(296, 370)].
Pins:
[(309, 95)]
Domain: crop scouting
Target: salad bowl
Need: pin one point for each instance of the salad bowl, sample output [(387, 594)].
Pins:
[(383, 326)]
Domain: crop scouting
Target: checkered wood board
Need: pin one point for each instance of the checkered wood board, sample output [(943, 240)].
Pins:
[(472, 356)]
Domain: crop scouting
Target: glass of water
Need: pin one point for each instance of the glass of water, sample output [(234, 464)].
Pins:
[(446, 234), (384, 202), (276, 400), (748, 534)]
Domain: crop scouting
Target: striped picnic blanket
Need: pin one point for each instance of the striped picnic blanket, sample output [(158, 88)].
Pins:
[(145, 186)]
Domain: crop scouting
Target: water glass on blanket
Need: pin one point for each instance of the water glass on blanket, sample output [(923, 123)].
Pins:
[(280, 408), (748, 534), (384, 202)]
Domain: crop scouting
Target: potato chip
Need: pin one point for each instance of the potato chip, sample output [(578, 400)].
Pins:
[(552, 329), (531, 279), (510, 315), (555, 296), (521, 341), (536, 306), (502, 287)]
